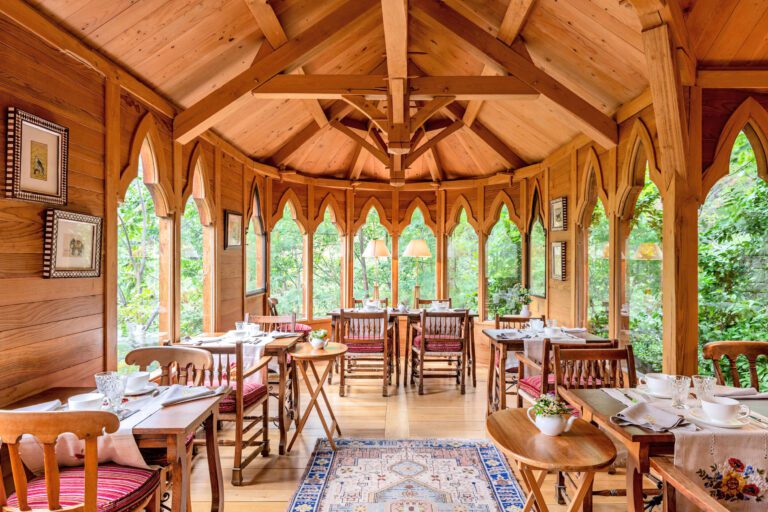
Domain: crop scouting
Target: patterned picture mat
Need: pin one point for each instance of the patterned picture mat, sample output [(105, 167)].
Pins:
[(423, 475)]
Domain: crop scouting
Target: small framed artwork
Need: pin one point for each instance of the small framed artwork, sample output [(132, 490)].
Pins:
[(233, 229), (558, 214), (558, 261), (72, 246), (36, 162)]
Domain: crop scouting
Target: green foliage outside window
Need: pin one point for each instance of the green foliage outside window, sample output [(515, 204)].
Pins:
[(733, 259), (191, 271), (368, 271), (254, 256), (504, 249), (410, 267), (326, 268), (537, 257), (463, 264), (286, 264), (598, 267)]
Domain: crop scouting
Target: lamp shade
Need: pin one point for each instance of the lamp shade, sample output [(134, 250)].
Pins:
[(376, 249), (417, 249), (648, 251)]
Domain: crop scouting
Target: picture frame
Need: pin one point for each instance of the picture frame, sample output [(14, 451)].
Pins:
[(558, 214), (37, 153), (72, 245), (233, 229), (558, 252)]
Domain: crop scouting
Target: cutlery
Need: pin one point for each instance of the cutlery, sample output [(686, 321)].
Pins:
[(763, 423), (633, 400)]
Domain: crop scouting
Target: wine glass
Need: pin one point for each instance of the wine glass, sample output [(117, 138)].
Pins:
[(112, 386)]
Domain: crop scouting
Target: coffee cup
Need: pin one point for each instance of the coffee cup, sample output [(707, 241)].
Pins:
[(659, 383), (86, 402), (723, 409), (136, 381)]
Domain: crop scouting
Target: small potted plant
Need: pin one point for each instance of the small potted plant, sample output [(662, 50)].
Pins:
[(524, 299), (318, 339), (551, 415)]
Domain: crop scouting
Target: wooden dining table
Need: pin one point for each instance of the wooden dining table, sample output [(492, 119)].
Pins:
[(167, 428), (598, 407)]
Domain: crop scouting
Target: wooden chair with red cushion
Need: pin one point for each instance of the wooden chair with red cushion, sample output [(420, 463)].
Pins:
[(725, 353), (443, 339), (93, 487), (246, 395), (369, 355), (303, 329), (512, 375)]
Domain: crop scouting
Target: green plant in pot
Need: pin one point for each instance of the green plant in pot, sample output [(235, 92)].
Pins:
[(318, 338), (551, 415)]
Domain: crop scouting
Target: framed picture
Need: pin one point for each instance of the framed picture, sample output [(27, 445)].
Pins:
[(558, 261), (72, 246), (36, 161), (558, 214), (233, 229)]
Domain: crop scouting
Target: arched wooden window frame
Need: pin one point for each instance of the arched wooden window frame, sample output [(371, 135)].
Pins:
[(292, 201), (537, 214), (335, 210), (255, 215), (372, 202), (452, 219), (494, 216), (419, 204)]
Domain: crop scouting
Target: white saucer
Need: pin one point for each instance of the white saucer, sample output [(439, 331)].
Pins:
[(150, 387), (699, 416), (643, 388)]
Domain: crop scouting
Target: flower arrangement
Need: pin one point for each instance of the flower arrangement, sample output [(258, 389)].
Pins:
[(320, 334), (549, 405), (735, 481), (511, 300)]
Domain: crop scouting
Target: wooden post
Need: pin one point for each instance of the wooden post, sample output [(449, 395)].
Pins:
[(349, 254), (393, 299), (111, 183), (178, 170), (218, 241), (441, 276), (309, 250)]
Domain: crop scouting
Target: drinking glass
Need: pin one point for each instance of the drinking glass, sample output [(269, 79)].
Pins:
[(239, 326), (681, 387), (552, 323), (703, 386), (112, 386)]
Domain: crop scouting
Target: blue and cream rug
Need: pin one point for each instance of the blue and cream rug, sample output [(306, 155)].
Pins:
[(427, 475)]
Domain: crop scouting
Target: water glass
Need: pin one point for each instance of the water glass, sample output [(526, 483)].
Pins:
[(239, 326), (681, 388), (112, 386), (551, 323), (703, 386)]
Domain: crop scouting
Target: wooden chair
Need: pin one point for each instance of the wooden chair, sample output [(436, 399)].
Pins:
[(300, 328), (428, 302), (675, 481), (369, 355), (726, 352), (359, 303), (244, 396), (444, 337), (511, 375), (515, 321), (414, 327), (87, 488)]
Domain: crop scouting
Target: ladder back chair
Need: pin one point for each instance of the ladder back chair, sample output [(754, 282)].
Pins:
[(245, 395), (428, 302), (413, 328), (300, 328), (359, 303), (725, 353), (444, 338), (511, 375), (515, 321), (370, 353), (89, 488)]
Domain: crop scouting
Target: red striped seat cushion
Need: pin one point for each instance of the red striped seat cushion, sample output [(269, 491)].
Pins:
[(300, 328), (120, 488), (443, 344), (252, 393), (532, 385), (365, 348)]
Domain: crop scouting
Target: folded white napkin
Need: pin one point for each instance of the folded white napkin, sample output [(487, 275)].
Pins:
[(43, 407), (743, 393), (651, 417), (278, 334), (574, 329), (178, 394)]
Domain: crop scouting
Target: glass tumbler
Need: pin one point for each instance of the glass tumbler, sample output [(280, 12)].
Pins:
[(681, 388), (112, 386), (703, 387)]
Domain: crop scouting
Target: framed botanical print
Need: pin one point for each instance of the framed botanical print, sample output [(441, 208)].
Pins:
[(233, 229), (36, 161), (72, 246), (558, 214), (558, 261)]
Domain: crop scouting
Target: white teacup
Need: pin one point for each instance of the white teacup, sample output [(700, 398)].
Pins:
[(86, 402), (659, 383), (136, 381), (723, 409), (536, 325), (318, 343)]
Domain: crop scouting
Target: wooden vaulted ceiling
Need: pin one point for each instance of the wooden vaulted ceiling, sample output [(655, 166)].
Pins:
[(591, 50)]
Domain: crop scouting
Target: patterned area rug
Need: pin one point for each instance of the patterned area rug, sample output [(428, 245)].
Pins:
[(427, 475)]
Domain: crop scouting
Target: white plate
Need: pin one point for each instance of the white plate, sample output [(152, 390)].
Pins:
[(699, 416), (150, 387), (643, 388)]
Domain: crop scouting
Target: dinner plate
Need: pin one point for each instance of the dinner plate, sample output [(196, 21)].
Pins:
[(699, 416), (643, 388), (150, 387)]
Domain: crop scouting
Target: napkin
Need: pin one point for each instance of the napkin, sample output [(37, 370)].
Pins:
[(277, 335), (574, 329), (743, 393), (178, 394), (43, 407), (652, 418)]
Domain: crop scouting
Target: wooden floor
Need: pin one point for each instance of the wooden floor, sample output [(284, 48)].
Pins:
[(442, 412)]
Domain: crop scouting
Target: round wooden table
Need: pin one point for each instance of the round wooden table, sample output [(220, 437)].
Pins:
[(306, 356), (584, 449)]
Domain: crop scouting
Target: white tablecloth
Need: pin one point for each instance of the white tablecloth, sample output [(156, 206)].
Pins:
[(532, 346)]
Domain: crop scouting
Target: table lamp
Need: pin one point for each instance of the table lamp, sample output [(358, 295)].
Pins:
[(376, 249), (417, 249)]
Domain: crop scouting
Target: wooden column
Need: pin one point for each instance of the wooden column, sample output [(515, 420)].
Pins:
[(177, 165), (218, 240), (349, 253), (615, 243), (111, 184), (576, 243), (441, 276), (393, 300), (481, 250), (309, 254)]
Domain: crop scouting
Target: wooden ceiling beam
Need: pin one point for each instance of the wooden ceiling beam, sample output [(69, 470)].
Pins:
[(593, 122), (416, 153), (424, 113), (370, 110), (732, 78), (358, 161), (395, 20), (376, 152), (225, 100)]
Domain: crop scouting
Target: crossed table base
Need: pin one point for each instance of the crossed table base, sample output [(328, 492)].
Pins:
[(306, 356)]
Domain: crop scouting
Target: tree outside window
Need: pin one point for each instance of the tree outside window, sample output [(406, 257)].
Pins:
[(326, 267), (286, 270), (537, 259), (463, 249), (598, 268), (410, 267), (255, 254), (192, 278), (504, 249), (368, 271)]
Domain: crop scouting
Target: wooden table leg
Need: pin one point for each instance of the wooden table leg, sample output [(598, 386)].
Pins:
[(397, 352), (584, 486), (214, 462), (491, 371), (635, 477), (407, 354), (177, 455), (534, 484), (325, 398), (472, 347), (502, 380), (282, 361), (314, 393)]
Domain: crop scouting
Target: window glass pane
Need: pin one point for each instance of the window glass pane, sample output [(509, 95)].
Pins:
[(138, 281), (641, 312), (463, 264), (326, 268), (286, 264), (733, 259), (254, 256), (598, 272), (504, 261), (537, 256), (192, 279), (416, 270), (368, 271)]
